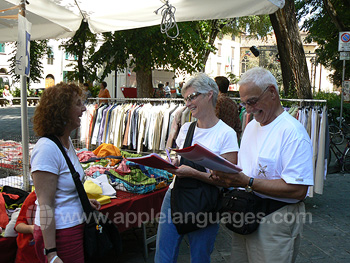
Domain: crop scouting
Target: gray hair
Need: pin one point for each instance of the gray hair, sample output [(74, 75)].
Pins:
[(202, 83), (260, 77)]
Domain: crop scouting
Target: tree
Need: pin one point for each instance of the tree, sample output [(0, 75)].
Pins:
[(257, 26), (295, 73), (82, 46), (324, 19), (149, 49), (38, 49)]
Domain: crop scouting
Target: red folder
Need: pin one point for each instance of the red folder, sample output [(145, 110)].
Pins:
[(152, 160), (199, 154)]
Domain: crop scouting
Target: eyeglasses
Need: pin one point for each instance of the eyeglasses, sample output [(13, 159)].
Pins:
[(252, 101), (192, 96)]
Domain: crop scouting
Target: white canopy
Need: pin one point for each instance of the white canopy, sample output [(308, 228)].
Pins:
[(61, 18)]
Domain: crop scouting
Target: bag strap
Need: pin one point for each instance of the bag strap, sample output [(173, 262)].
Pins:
[(76, 177), (187, 143), (189, 135)]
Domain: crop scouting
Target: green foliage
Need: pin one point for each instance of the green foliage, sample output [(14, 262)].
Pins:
[(150, 49), (232, 77), (83, 46), (323, 31), (334, 102), (94, 91), (256, 26), (16, 93), (38, 49)]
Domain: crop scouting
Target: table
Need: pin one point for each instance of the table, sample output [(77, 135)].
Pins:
[(130, 212), (134, 211)]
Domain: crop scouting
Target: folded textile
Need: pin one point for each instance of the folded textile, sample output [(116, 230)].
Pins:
[(106, 149), (102, 181), (94, 191)]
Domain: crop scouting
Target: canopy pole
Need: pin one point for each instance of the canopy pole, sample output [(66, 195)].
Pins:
[(24, 120)]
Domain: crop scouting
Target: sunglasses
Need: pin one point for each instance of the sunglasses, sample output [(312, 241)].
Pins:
[(252, 101), (192, 96)]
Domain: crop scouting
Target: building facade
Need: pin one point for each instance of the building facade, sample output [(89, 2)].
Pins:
[(233, 56)]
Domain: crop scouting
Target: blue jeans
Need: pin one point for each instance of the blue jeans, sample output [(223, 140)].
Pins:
[(168, 240)]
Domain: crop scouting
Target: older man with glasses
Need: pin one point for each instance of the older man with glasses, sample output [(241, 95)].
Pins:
[(276, 160)]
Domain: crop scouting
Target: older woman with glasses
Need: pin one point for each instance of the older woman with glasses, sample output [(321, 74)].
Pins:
[(200, 94)]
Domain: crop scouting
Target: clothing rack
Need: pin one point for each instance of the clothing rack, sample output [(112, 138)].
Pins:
[(293, 100), (137, 99), (181, 99)]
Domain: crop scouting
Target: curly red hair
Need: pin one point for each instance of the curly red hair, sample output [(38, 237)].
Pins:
[(52, 113)]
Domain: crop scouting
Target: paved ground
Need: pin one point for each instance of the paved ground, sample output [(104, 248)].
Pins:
[(325, 238)]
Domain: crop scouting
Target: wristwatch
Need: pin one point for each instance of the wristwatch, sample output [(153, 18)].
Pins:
[(48, 251), (249, 188)]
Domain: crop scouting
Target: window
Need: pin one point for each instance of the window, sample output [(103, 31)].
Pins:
[(232, 58), (245, 62), (65, 79), (2, 47), (50, 57), (218, 68), (219, 50), (71, 57)]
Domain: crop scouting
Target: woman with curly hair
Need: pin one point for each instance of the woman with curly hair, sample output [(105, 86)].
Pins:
[(58, 230)]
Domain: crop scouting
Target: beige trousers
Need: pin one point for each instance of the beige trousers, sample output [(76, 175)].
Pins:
[(276, 240)]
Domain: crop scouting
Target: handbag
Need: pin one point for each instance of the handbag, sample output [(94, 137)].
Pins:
[(194, 204), (243, 211), (101, 236)]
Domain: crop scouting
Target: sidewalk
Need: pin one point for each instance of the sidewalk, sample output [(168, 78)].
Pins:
[(325, 238)]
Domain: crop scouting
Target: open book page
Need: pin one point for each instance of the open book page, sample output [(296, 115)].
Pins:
[(152, 160), (199, 154)]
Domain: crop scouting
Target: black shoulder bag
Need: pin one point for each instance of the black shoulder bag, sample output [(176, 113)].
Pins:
[(101, 236), (194, 204)]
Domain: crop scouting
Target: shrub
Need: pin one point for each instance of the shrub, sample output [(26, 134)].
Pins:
[(334, 102)]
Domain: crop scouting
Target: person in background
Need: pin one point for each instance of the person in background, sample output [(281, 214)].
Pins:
[(25, 228), (200, 94), (87, 92), (59, 223), (7, 95), (276, 160), (226, 109), (104, 93), (159, 92), (167, 90)]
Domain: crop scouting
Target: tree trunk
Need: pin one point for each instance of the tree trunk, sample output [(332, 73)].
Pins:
[(295, 73), (144, 83), (334, 16), (216, 27)]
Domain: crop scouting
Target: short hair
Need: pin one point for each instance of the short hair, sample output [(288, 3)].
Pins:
[(260, 77), (223, 83), (52, 113), (104, 83), (86, 84), (202, 83), (160, 85)]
